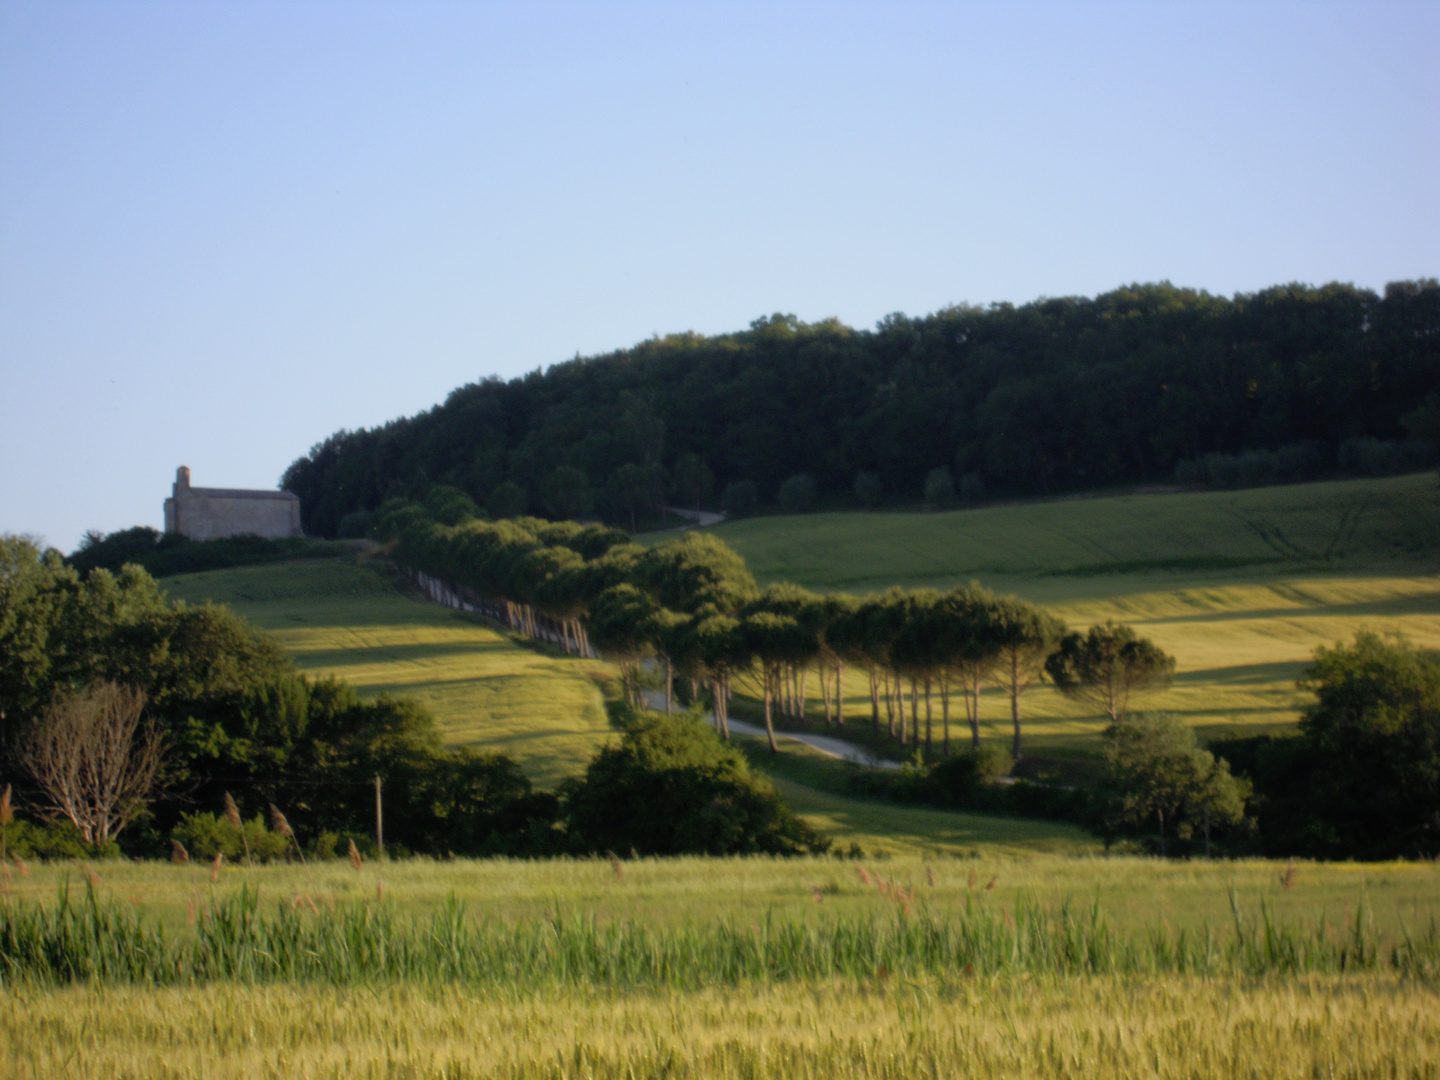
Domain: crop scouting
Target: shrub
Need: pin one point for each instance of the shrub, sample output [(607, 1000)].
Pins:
[(797, 493), (868, 489), (939, 487), (58, 839), (508, 500), (206, 835), (956, 779), (672, 788), (356, 524), (972, 487), (741, 498)]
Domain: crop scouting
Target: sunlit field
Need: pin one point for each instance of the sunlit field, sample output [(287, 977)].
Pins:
[(1240, 586), (1161, 1027), (1041, 966), (930, 944), (484, 689), (1134, 893)]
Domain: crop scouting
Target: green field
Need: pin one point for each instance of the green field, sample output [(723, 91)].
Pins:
[(1239, 586), (485, 689), (916, 1018)]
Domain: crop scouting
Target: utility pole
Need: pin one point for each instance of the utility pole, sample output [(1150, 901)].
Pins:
[(379, 820)]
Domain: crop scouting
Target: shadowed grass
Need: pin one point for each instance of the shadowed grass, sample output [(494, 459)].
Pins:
[(484, 689), (1239, 586)]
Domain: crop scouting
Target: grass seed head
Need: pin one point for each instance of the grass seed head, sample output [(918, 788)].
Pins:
[(990, 885), (21, 865), (1287, 879), (232, 813), (7, 812), (930, 874), (864, 875), (215, 865), (178, 854), (278, 822), (354, 855)]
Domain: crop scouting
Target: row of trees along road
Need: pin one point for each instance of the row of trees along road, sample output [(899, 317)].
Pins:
[(691, 605)]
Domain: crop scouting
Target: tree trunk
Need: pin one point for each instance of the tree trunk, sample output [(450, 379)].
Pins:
[(914, 713), (1207, 830), (874, 703), (839, 695), (928, 743), (890, 705), (1161, 814), (1015, 705), (900, 705), (945, 713), (669, 688), (804, 676), (769, 723), (825, 691)]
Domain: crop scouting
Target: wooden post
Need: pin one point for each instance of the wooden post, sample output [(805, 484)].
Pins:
[(379, 820)]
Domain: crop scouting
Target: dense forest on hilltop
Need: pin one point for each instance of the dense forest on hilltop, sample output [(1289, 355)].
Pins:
[(1046, 397)]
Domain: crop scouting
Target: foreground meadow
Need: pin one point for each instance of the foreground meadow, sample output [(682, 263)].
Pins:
[(1045, 967), (1167, 1027)]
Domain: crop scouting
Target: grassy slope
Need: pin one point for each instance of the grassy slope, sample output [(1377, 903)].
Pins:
[(349, 620), (485, 690), (1240, 586)]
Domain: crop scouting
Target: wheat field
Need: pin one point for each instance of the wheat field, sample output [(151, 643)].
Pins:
[(1164, 1028)]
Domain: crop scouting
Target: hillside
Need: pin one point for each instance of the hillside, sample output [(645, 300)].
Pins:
[(1239, 586), (486, 690), (1057, 395), (350, 620)]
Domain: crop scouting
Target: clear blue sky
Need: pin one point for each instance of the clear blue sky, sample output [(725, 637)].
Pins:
[(228, 229)]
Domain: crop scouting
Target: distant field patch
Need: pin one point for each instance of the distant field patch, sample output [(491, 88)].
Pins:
[(350, 620), (1240, 586)]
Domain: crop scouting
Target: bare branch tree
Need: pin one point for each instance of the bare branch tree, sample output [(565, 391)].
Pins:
[(95, 760)]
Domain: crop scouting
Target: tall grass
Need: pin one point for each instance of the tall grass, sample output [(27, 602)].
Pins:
[(96, 940), (1119, 1028)]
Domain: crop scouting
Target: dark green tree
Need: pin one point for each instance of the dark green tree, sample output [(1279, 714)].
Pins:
[(1108, 664), (1023, 637), (868, 489), (567, 493), (1156, 776), (508, 500), (691, 480), (673, 788)]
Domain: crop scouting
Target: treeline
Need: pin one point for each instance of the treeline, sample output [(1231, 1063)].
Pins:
[(1358, 781), (692, 605), (166, 554), (133, 724), (1050, 396)]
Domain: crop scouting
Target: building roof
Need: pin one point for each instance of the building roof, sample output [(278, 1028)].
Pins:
[(241, 493)]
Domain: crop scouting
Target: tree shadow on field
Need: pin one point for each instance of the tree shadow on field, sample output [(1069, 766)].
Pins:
[(1279, 671), (420, 653)]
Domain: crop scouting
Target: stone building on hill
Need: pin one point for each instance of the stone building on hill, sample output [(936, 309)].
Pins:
[(212, 513)]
